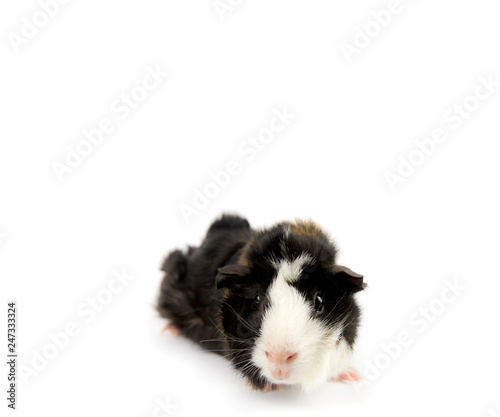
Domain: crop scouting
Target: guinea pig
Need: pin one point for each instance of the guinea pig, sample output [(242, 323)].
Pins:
[(272, 301)]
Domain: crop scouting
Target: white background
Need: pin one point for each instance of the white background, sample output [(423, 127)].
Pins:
[(119, 208)]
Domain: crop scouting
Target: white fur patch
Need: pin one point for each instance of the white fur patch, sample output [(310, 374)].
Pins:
[(290, 271), (288, 325)]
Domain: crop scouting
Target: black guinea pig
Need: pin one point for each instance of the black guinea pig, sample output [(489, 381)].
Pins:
[(273, 301)]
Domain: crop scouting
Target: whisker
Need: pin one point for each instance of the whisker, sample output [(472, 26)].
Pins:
[(242, 320)]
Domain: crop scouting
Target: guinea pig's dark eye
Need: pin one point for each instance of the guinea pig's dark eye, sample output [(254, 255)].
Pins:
[(256, 301), (318, 303)]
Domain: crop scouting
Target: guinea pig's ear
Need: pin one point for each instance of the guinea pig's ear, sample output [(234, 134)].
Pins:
[(351, 279), (229, 274)]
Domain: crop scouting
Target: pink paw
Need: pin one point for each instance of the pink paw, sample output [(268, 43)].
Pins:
[(268, 388), (348, 377), (174, 331)]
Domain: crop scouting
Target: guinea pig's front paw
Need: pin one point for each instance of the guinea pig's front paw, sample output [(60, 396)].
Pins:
[(347, 377), (174, 331), (273, 387), (267, 388)]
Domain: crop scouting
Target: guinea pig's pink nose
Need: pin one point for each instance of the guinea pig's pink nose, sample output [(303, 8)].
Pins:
[(281, 357)]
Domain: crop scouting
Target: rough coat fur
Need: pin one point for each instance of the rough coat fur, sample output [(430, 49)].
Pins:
[(210, 292)]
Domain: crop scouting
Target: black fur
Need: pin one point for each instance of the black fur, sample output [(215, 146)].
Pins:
[(210, 293), (188, 297)]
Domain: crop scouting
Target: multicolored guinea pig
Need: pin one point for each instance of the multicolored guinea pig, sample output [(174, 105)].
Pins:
[(273, 302)]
